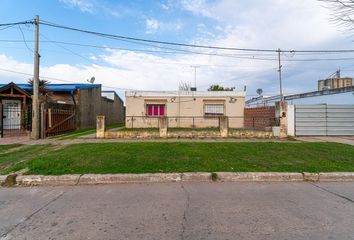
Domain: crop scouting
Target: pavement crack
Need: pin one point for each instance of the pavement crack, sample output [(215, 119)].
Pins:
[(31, 215), (334, 193), (184, 220), (78, 179)]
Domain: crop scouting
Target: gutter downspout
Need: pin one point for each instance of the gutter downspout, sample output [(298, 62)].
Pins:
[(73, 96)]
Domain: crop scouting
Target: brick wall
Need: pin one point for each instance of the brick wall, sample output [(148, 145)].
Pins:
[(259, 118), (61, 97)]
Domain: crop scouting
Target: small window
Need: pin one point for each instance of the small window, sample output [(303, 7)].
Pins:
[(214, 109), (155, 109)]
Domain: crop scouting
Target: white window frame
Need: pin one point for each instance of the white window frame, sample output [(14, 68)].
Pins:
[(214, 109), (155, 104)]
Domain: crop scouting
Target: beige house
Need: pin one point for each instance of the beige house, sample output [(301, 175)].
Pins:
[(184, 109)]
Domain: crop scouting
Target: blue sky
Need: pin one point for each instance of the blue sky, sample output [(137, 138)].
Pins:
[(298, 24)]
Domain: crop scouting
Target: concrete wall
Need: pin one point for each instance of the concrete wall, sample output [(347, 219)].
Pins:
[(186, 107), (91, 104), (113, 110), (89, 101)]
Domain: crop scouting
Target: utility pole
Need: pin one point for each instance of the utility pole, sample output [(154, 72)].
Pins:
[(280, 78), (195, 75), (35, 100)]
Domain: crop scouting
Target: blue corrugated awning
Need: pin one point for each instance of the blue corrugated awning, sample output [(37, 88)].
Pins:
[(58, 87)]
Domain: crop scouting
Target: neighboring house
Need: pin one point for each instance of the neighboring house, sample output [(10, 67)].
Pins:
[(184, 108), (117, 110), (86, 98)]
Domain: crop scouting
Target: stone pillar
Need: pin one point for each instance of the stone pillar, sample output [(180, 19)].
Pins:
[(163, 126), (100, 126), (281, 113), (224, 126), (291, 120)]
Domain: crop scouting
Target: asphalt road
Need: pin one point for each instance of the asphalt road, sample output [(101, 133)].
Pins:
[(176, 211)]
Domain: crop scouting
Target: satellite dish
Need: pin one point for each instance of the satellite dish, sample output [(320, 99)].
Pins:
[(92, 80), (259, 91)]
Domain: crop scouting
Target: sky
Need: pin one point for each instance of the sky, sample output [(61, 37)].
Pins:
[(120, 65)]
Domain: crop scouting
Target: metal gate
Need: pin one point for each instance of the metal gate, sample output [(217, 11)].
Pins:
[(14, 120), (58, 119), (324, 120)]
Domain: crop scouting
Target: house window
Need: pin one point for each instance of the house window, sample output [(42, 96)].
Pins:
[(155, 109), (214, 109)]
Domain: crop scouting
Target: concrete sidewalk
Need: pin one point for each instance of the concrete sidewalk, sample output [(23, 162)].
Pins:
[(337, 139), (273, 211)]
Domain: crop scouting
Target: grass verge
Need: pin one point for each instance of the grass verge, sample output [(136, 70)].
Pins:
[(9, 160), (8, 147), (144, 157), (87, 131)]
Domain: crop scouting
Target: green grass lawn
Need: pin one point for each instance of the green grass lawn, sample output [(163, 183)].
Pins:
[(86, 131), (9, 159), (155, 157), (8, 147)]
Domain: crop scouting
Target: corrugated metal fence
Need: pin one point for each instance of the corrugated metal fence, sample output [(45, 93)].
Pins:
[(324, 120)]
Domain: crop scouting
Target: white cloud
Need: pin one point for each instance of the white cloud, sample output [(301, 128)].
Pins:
[(152, 25), (94, 58), (83, 5), (250, 24), (198, 7)]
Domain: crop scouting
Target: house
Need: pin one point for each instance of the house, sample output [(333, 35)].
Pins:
[(184, 109), (88, 101), (113, 104)]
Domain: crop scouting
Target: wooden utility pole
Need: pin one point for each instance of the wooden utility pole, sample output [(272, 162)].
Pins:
[(35, 94)]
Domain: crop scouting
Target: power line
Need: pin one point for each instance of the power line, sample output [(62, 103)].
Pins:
[(151, 41), (121, 37), (24, 40), (67, 49), (17, 23), (238, 56), (61, 80), (6, 27), (47, 23)]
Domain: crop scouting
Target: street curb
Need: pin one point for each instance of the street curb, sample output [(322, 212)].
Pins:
[(41, 180), (336, 177), (2, 179), (91, 179), (259, 177), (129, 178)]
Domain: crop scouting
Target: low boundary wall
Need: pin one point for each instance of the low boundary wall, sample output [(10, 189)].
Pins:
[(163, 132)]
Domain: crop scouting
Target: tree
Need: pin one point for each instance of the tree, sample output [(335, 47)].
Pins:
[(43, 90), (217, 87), (342, 12)]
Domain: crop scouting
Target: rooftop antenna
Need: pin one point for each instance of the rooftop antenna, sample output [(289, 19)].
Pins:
[(92, 80), (195, 76)]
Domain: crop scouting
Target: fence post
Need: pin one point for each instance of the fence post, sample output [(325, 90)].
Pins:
[(253, 123), (291, 120), (43, 135), (132, 118), (100, 126), (193, 123), (224, 130), (1, 121), (281, 113), (163, 126)]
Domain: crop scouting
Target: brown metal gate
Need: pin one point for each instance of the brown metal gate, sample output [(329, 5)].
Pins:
[(58, 119)]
